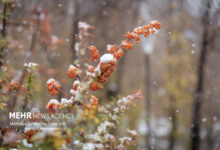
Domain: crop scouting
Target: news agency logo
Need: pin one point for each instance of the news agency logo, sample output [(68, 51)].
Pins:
[(19, 115), (29, 115)]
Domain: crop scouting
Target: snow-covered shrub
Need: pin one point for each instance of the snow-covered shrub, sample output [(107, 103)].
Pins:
[(89, 126)]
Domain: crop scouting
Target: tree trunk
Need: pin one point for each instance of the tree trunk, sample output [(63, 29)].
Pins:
[(195, 138), (148, 98), (75, 28), (3, 32), (173, 116), (210, 139)]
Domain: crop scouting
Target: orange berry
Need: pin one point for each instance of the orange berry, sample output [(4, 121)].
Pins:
[(133, 35), (119, 54), (91, 69), (53, 86), (76, 85), (108, 68), (136, 37), (147, 33), (52, 106), (128, 35), (153, 31), (14, 85), (146, 27), (68, 140), (156, 24), (111, 49), (101, 78), (95, 86), (94, 53), (73, 72), (126, 44), (29, 133), (139, 30), (151, 26), (94, 101)]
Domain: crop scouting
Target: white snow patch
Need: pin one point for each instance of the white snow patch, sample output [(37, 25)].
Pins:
[(106, 58), (50, 80), (88, 146), (72, 67), (53, 101), (65, 101), (26, 144)]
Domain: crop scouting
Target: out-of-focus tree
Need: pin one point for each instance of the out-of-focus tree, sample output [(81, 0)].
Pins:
[(197, 105), (75, 21), (210, 100), (178, 74), (4, 16), (148, 47), (176, 84)]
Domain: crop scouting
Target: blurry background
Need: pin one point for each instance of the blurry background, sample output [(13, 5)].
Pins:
[(165, 67)]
